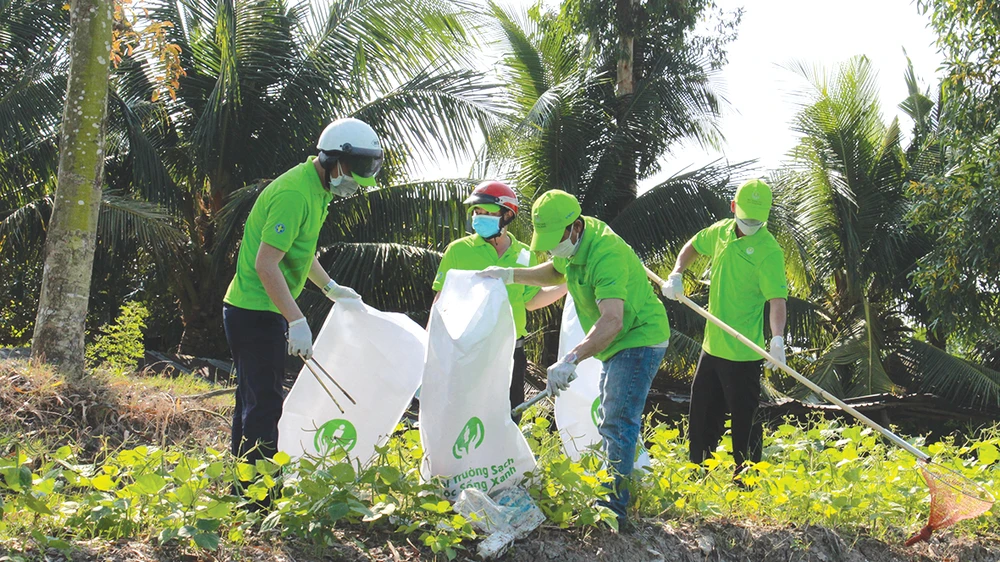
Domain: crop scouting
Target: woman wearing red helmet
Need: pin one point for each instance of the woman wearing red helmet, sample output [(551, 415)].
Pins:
[(494, 206)]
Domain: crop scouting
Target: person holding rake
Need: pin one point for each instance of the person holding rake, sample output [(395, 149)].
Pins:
[(747, 271)]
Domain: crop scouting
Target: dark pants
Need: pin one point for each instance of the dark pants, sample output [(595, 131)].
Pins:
[(722, 386), (517, 379), (258, 344)]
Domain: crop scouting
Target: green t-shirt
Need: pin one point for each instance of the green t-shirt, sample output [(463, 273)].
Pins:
[(473, 253), (288, 215), (606, 267), (746, 273)]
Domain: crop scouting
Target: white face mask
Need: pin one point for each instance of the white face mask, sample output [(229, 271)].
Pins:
[(567, 248), (748, 227), (343, 185)]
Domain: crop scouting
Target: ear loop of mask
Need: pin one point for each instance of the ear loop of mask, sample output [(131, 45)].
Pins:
[(504, 221), (328, 162)]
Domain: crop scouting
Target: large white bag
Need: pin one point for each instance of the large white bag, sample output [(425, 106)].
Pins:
[(468, 437), (578, 407), (378, 358)]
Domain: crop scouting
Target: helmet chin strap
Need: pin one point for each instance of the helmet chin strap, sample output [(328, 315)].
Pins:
[(495, 236)]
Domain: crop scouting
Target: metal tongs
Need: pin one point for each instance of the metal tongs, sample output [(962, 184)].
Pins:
[(321, 383)]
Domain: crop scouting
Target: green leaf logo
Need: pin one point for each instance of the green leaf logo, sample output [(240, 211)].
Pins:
[(335, 433), (471, 437), (595, 413)]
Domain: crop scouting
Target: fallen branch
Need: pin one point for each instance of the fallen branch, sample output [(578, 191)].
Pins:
[(211, 394)]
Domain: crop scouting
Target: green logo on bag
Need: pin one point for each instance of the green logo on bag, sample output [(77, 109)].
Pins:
[(471, 437), (336, 433), (595, 413)]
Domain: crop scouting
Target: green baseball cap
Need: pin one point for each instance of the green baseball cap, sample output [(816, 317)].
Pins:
[(753, 201), (550, 215), (488, 207)]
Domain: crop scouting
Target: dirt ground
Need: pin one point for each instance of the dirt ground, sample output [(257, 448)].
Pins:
[(653, 541)]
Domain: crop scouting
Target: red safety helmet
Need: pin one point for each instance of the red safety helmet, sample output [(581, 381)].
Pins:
[(494, 193)]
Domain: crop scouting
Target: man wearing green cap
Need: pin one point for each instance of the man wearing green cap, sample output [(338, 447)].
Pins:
[(277, 256), (494, 206), (626, 323), (748, 270)]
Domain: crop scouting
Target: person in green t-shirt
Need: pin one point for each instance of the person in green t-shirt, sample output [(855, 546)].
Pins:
[(625, 321), (494, 206), (748, 270), (277, 255)]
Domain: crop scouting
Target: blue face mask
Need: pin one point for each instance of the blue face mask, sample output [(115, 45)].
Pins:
[(486, 226)]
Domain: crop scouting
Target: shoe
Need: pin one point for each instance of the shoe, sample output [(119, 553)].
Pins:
[(626, 526)]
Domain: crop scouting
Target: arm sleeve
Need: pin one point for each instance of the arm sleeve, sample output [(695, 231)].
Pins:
[(285, 217), (610, 277), (530, 290), (560, 264), (773, 284), (704, 241), (443, 268)]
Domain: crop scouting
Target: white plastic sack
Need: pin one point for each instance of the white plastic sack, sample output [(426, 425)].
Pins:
[(578, 407), (468, 438), (378, 358)]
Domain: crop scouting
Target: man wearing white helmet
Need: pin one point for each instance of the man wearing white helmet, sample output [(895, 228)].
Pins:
[(276, 257)]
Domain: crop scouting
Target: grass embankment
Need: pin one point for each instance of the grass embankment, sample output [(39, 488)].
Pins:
[(122, 457)]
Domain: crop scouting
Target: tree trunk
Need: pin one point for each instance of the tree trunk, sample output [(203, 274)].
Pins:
[(626, 184), (69, 245), (625, 85)]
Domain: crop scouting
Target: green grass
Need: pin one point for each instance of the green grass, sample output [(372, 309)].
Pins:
[(828, 474), (825, 473)]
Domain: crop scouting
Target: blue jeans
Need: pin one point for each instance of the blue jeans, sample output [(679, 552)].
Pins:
[(625, 383)]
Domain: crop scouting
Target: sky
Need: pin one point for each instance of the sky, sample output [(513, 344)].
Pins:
[(764, 95)]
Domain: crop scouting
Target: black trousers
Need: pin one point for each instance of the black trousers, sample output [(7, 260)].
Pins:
[(258, 344), (517, 380), (722, 386)]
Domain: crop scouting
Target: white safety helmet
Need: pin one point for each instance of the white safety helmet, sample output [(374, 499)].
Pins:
[(355, 143)]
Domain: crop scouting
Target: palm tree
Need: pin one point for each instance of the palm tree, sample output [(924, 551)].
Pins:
[(263, 78), (33, 38), (571, 131), (70, 241), (33, 73), (844, 215)]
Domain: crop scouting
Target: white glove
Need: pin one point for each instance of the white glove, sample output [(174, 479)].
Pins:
[(559, 376), (777, 350), (300, 339), (673, 287), (505, 274), (335, 292)]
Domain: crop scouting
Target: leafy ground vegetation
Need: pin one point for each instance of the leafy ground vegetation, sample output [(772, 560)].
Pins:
[(125, 467)]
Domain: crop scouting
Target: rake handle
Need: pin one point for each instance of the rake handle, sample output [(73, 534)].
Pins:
[(518, 410), (795, 375)]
